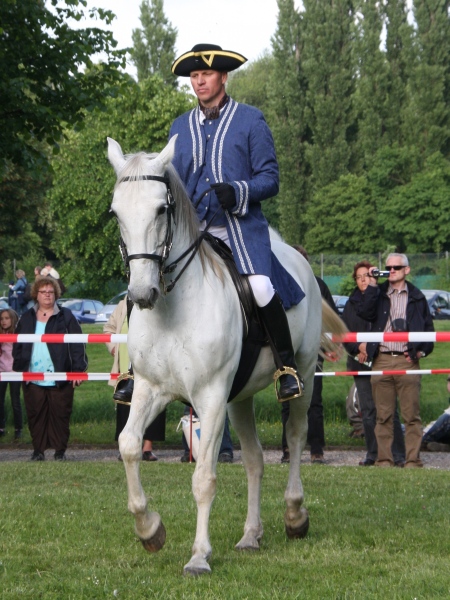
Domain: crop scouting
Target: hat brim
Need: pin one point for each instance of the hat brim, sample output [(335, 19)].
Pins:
[(214, 60)]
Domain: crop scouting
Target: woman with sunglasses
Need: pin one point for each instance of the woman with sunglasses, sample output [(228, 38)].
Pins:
[(48, 403), (396, 305)]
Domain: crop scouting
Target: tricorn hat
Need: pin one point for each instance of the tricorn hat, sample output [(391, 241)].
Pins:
[(207, 56)]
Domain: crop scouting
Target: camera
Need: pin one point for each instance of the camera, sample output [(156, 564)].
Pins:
[(378, 273)]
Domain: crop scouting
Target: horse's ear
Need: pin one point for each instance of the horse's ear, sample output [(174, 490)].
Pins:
[(115, 155), (166, 155)]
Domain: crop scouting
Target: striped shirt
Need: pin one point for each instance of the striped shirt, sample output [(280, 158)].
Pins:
[(399, 301)]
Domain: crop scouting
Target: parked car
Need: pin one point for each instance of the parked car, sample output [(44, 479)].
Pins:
[(85, 311), (439, 303), (109, 307), (340, 302)]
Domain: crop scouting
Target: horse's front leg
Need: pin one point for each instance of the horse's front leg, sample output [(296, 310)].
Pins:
[(243, 420), (148, 525), (296, 517), (204, 484)]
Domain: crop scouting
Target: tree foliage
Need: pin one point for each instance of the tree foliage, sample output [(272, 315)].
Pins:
[(154, 45), (47, 78), (85, 235)]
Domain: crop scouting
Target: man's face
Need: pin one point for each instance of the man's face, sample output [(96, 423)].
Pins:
[(208, 86), (396, 275)]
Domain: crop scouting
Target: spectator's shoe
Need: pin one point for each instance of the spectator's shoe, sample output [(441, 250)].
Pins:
[(149, 456), (368, 462), (225, 457), (17, 434), (38, 456), (317, 459), (60, 455), (438, 447), (185, 458), (400, 464), (286, 457)]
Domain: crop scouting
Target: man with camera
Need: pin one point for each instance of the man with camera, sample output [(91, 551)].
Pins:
[(393, 306)]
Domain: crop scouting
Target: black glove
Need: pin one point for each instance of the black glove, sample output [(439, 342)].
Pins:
[(225, 194)]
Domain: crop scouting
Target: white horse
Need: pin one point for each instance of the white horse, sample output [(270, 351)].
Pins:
[(186, 343)]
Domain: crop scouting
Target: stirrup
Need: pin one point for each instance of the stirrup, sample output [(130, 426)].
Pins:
[(122, 377), (288, 371)]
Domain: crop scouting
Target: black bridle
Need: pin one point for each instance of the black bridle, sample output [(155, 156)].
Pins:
[(161, 258)]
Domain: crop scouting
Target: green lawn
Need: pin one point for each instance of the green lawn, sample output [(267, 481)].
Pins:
[(376, 534)]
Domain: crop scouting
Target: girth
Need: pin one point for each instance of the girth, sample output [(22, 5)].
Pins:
[(253, 335)]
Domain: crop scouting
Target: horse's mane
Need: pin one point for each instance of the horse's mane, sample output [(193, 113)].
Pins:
[(186, 218)]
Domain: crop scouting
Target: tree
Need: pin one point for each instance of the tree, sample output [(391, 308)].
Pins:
[(428, 124), (154, 45), (287, 96), (328, 63), (85, 234), (47, 79)]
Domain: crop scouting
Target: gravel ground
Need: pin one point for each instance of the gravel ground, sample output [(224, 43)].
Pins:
[(333, 457)]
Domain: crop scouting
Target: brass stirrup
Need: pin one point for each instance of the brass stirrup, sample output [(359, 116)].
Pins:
[(288, 371), (122, 377)]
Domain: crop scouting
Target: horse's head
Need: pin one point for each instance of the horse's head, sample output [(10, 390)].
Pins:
[(143, 206)]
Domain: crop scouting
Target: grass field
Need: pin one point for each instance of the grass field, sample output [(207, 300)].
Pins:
[(65, 533), (93, 416)]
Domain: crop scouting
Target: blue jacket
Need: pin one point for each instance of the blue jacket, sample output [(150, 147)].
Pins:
[(237, 148)]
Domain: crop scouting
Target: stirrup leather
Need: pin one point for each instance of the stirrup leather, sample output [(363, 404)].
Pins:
[(122, 377), (288, 371)]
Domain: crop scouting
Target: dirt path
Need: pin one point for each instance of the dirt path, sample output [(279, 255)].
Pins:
[(333, 457)]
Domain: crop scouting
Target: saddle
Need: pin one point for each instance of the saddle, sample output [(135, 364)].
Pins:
[(254, 336)]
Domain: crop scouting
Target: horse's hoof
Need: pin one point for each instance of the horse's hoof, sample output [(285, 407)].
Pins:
[(247, 547), (196, 571), (300, 530), (156, 542)]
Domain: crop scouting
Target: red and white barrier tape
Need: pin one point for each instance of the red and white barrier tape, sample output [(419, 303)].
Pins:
[(121, 338), (12, 376), (64, 338)]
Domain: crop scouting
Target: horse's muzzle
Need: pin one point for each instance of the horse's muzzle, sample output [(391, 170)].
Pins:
[(147, 300)]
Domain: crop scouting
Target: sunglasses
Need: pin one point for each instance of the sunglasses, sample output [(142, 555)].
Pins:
[(395, 267)]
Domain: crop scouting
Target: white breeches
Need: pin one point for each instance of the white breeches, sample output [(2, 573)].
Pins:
[(261, 285)]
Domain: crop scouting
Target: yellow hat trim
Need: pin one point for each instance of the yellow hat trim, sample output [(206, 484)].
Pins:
[(208, 56)]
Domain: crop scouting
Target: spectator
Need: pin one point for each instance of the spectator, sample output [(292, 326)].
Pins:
[(156, 431), (49, 271), (436, 436), (396, 305), (8, 322), (316, 429), (37, 272), (48, 403), (358, 361), (18, 291), (226, 446)]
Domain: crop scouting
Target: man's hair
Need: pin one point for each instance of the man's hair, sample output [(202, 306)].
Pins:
[(361, 263), (403, 258), (301, 250)]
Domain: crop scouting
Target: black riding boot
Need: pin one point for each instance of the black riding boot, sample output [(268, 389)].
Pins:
[(277, 326), (124, 387)]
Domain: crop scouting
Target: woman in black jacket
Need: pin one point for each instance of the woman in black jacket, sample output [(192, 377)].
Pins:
[(358, 360), (48, 403)]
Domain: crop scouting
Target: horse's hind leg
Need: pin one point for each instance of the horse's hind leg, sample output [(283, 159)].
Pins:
[(296, 517), (243, 420), (148, 525)]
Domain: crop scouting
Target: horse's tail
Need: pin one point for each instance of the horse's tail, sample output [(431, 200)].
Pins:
[(331, 323)]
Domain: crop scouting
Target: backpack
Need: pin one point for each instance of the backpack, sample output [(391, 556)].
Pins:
[(26, 296)]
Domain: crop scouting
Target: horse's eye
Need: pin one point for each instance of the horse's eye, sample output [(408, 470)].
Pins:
[(161, 210)]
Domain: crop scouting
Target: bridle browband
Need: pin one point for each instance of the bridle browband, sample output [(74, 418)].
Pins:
[(193, 248)]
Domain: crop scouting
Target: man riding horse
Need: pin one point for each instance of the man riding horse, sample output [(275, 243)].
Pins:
[(225, 156)]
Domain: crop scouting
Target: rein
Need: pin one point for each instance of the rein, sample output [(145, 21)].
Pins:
[(161, 258)]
